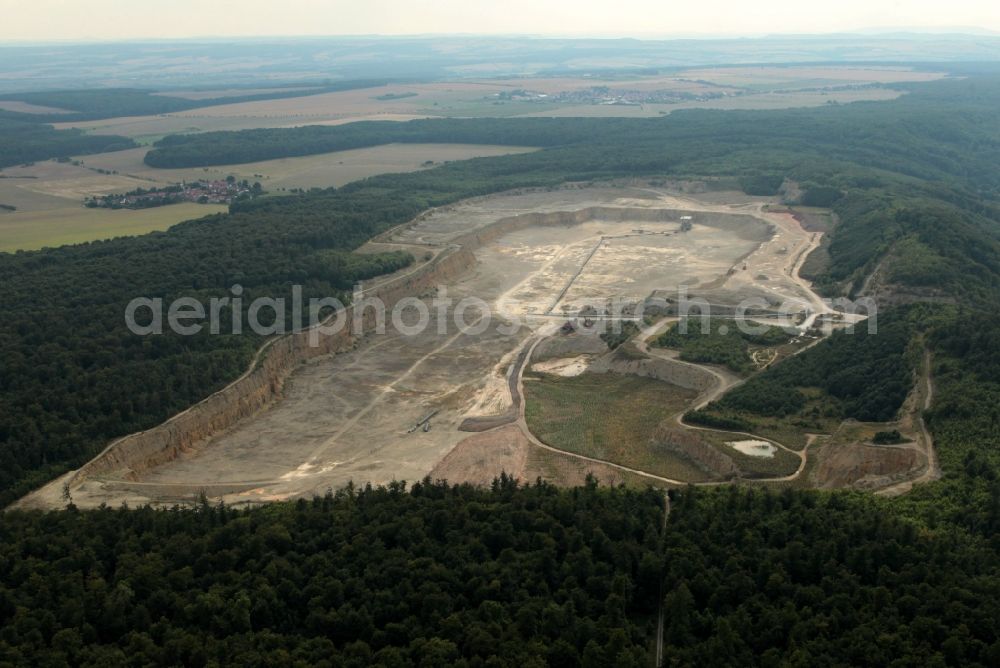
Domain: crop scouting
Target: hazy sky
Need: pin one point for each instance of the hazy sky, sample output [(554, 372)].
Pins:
[(119, 19)]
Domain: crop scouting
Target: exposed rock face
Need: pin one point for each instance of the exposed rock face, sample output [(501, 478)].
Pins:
[(133, 455), (485, 235), (683, 375), (863, 466), (690, 446)]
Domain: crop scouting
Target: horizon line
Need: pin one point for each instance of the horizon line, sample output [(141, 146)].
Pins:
[(872, 32)]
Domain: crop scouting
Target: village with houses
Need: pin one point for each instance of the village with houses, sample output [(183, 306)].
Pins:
[(222, 191)]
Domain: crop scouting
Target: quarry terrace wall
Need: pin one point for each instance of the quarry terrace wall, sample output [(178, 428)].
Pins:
[(132, 455), (489, 233)]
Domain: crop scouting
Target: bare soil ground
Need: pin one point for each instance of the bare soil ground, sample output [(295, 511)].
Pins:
[(849, 458)]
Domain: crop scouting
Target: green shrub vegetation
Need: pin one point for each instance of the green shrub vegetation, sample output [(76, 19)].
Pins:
[(608, 416), (889, 437), (720, 341), (615, 336), (867, 373)]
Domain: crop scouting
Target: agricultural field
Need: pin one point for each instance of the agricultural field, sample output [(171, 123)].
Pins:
[(313, 171), (808, 76), (30, 230), (20, 107), (47, 197), (654, 95)]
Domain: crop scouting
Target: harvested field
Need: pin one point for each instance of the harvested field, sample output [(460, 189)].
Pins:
[(29, 230), (51, 184), (49, 195), (28, 108), (313, 171), (49, 199), (808, 75)]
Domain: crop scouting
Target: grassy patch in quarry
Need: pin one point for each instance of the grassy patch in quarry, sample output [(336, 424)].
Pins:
[(608, 416)]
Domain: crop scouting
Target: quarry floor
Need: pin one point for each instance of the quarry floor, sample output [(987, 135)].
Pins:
[(359, 416)]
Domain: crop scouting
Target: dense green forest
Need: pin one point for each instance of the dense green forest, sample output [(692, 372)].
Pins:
[(27, 137), (756, 577), (436, 575), (22, 142), (389, 576)]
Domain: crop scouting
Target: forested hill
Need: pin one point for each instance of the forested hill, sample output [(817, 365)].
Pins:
[(442, 576), (22, 142), (913, 180)]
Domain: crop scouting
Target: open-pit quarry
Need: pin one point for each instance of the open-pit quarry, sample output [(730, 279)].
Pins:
[(537, 271)]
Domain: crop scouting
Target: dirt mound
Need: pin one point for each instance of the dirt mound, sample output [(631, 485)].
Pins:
[(683, 375), (486, 422), (481, 458)]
